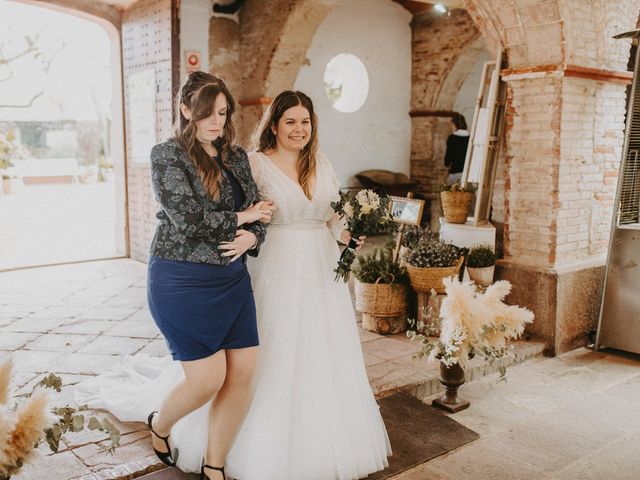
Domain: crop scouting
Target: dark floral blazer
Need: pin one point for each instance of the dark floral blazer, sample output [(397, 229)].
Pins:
[(190, 224)]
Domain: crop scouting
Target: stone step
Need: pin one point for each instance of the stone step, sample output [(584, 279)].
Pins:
[(477, 368)]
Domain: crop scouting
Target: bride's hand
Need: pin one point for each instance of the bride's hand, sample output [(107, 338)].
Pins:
[(244, 241), (345, 237), (271, 206), (254, 213)]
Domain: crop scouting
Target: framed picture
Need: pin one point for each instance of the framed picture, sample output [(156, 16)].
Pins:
[(406, 210)]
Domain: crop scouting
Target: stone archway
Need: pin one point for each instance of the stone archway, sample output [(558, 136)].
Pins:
[(109, 18), (274, 39)]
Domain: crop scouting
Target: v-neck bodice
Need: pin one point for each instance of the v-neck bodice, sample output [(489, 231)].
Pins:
[(293, 206)]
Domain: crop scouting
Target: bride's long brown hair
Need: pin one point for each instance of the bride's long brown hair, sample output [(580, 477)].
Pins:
[(199, 94), (263, 137)]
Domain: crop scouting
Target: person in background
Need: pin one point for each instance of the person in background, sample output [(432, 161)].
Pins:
[(456, 151)]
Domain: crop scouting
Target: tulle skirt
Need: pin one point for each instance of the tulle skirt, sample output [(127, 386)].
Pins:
[(312, 415)]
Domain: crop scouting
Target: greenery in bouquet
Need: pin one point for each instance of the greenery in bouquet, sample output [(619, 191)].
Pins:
[(481, 256), (430, 254), (25, 423), (380, 265), (473, 323), (365, 213)]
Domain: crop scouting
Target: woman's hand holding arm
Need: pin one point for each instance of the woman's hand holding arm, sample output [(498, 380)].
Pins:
[(244, 241), (260, 211)]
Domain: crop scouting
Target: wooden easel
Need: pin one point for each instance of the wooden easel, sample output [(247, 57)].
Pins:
[(396, 251)]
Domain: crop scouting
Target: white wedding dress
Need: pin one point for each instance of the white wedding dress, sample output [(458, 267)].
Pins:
[(313, 415)]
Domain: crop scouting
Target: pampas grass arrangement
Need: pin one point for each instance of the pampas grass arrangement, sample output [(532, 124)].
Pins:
[(21, 428), (473, 323)]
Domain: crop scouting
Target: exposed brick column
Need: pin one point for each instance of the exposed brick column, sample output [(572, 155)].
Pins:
[(564, 146), (564, 137)]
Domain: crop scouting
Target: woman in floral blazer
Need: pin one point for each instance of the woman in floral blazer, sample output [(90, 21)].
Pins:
[(199, 290)]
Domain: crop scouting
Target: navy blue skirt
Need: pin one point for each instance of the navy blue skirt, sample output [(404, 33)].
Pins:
[(202, 308)]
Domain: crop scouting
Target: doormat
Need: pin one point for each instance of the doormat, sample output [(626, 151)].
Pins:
[(417, 431)]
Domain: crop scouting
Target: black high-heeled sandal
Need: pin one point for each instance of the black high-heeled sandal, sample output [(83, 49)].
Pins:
[(204, 476), (165, 457)]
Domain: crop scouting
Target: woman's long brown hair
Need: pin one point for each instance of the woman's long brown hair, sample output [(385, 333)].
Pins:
[(199, 94), (264, 139)]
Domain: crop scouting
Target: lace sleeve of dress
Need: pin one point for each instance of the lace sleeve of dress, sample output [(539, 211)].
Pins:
[(256, 169), (336, 223)]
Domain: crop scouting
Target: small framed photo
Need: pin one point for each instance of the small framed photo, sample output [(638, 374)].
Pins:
[(406, 210)]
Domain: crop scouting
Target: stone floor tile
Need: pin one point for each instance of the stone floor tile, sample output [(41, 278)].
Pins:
[(616, 461), (59, 466), (547, 446), (155, 348), (53, 342), (35, 362), (390, 348), (82, 300), (491, 415), (422, 472), (133, 446), (114, 345), (108, 313), (58, 312), (83, 363), (91, 327), (628, 389), (142, 315), (133, 329), (480, 461), (15, 340), (133, 297), (17, 311), (30, 324), (542, 397)]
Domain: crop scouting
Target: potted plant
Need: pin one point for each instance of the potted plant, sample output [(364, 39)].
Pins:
[(456, 200), (481, 263), (430, 262), (472, 323), (412, 235), (381, 292)]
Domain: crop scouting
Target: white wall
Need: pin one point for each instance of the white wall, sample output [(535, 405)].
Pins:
[(194, 32), (466, 100), (379, 134)]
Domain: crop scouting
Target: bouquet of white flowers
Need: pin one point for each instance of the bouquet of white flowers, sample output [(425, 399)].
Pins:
[(365, 213), (474, 323)]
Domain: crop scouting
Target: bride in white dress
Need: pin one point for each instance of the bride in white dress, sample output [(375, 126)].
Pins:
[(313, 415)]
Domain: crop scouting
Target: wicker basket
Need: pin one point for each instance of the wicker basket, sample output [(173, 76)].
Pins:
[(423, 279), (456, 206), (381, 299)]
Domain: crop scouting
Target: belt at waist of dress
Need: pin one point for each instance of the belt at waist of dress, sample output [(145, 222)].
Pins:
[(299, 226)]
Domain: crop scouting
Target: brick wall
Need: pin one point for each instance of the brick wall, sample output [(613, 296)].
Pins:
[(145, 45), (534, 157), (442, 50)]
